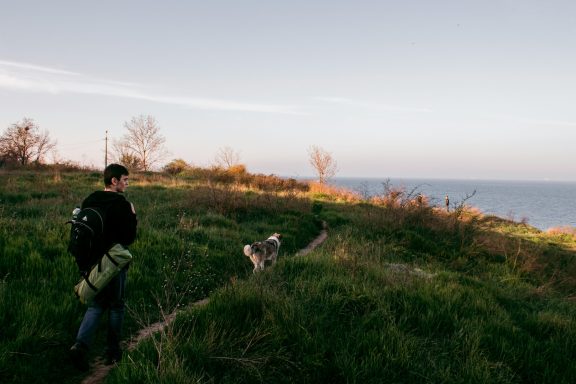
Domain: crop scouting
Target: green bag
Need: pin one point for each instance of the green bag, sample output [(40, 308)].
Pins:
[(107, 268)]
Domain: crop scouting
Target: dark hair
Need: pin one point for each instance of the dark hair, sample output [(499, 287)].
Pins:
[(114, 170)]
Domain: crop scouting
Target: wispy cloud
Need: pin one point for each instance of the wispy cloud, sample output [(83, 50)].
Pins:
[(371, 105), (40, 79), (36, 68)]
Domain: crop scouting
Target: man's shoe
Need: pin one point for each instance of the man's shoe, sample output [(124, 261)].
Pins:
[(79, 356)]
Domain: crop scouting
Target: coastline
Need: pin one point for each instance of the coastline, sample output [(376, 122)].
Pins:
[(541, 204)]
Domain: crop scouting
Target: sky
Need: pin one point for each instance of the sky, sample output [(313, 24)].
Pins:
[(456, 89)]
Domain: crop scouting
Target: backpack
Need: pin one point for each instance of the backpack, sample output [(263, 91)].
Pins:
[(86, 237)]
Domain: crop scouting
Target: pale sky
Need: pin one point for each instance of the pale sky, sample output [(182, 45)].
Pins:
[(428, 88)]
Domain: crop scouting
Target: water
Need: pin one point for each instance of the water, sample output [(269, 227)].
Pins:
[(543, 204)]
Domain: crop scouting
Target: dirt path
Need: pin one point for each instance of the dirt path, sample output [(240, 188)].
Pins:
[(316, 242), (99, 370)]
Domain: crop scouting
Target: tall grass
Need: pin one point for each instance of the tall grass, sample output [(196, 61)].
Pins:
[(400, 292), (188, 245), (311, 320)]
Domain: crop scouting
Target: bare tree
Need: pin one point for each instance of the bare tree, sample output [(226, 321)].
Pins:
[(23, 143), (323, 163), (143, 146), (227, 157)]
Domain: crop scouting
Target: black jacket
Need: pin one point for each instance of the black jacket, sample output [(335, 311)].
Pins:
[(119, 222)]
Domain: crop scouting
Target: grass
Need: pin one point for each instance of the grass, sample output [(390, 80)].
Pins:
[(189, 243), (400, 292)]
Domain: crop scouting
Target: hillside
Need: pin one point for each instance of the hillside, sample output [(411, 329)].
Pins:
[(399, 292)]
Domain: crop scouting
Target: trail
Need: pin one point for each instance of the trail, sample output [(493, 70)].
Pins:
[(316, 242), (99, 370)]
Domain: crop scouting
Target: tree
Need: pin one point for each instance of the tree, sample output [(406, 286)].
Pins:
[(23, 143), (227, 157), (323, 163), (143, 146)]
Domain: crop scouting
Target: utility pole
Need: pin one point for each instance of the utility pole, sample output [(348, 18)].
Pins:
[(106, 151)]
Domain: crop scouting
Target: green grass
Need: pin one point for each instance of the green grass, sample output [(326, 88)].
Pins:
[(324, 319), (398, 294), (189, 243)]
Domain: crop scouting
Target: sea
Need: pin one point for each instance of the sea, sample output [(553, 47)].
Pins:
[(541, 204)]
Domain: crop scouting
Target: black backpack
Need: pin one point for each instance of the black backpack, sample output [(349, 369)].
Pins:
[(86, 237)]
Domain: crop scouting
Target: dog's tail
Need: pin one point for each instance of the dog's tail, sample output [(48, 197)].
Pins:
[(248, 250)]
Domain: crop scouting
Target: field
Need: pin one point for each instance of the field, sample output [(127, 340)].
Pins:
[(399, 292)]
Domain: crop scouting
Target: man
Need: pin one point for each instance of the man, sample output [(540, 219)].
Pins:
[(119, 228)]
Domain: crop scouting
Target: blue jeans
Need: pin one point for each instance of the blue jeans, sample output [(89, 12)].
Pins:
[(111, 298)]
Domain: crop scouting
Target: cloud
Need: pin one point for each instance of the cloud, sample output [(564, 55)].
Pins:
[(20, 83), (371, 105), (39, 79), (37, 68)]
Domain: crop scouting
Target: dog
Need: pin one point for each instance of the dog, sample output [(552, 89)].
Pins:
[(260, 251)]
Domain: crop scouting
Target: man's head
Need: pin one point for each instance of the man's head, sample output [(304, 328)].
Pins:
[(116, 178)]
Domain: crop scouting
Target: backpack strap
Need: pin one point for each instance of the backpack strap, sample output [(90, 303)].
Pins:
[(112, 260), (86, 276), (109, 258)]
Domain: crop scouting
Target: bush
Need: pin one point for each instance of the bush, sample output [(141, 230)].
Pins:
[(176, 167)]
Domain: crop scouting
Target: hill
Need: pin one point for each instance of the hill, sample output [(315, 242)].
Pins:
[(399, 292)]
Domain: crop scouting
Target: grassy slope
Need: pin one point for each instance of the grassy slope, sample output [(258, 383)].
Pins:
[(495, 308), (357, 310), (189, 243)]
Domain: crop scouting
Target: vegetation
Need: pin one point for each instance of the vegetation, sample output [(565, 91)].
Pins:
[(227, 158), (323, 163), (400, 291), (142, 147), (22, 143)]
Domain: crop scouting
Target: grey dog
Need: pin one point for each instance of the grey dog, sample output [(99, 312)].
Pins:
[(260, 251)]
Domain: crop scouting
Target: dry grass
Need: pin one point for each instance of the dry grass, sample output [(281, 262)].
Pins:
[(333, 193), (564, 230)]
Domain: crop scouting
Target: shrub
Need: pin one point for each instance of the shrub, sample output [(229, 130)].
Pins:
[(176, 166)]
